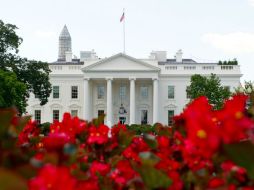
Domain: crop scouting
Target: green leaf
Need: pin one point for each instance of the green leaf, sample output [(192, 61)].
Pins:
[(9, 180), (151, 141), (22, 122), (242, 154), (149, 158), (153, 178), (125, 138), (6, 116)]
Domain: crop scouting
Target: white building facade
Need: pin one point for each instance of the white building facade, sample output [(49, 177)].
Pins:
[(126, 89)]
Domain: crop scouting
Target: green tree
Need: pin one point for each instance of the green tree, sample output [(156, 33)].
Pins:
[(209, 87), (229, 62), (34, 74), (12, 91), (248, 89)]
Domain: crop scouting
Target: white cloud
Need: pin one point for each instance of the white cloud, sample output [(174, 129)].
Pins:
[(44, 34), (235, 43), (251, 2)]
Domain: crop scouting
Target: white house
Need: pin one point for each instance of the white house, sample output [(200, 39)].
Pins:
[(125, 88)]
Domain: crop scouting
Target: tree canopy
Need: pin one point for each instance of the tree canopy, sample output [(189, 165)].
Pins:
[(209, 87), (12, 91), (229, 62), (33, 74)]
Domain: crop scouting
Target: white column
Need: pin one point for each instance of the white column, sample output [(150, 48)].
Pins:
[(86, 108), (109, 101), (132, 100), (155, 100)]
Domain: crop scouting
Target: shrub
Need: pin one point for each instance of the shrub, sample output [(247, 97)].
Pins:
[(205, 149)]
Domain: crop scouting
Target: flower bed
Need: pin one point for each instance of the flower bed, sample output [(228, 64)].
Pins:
[(205, 149)]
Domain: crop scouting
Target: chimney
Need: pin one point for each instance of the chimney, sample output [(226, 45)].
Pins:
[(68, 56), (160, 56), (179, 56)]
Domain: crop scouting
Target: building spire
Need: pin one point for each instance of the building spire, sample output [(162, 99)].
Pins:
[(64, 43)]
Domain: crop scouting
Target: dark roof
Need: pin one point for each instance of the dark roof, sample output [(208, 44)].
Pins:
[(63, 62), (184, 61)]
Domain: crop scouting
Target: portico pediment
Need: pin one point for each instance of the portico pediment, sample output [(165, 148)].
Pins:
[(120, 62)]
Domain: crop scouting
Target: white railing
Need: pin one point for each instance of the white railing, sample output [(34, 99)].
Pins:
[(189, 69)]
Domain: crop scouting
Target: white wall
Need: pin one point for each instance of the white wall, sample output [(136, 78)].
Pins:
[(176, 75)]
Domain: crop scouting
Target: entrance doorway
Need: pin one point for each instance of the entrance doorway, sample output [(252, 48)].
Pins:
[(143, 117), (101, 114)]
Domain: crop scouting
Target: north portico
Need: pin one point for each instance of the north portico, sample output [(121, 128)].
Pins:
[(123, 78)]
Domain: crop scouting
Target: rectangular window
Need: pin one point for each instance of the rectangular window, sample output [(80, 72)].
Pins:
[(170, 117), (100, 92), (37, 116), (143, 117), (74, 113), (74, 92), (171, 92), (122, 92), (188, 96), (144, 92), (55, 91), (55, 115)]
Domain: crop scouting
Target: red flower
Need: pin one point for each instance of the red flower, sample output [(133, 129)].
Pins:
[(117, 128), (176, 179), (167, 165), (163, 142), (233, 123), (90, 184), (52, 177), (132, 151), (201, 128), (70, 126), (216, 182), (129, 153), (123, 172), (99, 168), (98, 135), (55, 141), (29, 131), (230, 169)]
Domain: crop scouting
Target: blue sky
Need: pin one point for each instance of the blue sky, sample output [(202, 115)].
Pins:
[(206, 30)]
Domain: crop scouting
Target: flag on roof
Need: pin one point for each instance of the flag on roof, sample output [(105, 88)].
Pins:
[(122, 17)]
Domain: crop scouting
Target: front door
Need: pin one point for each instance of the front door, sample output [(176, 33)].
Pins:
[(101, 114), (143, 117)]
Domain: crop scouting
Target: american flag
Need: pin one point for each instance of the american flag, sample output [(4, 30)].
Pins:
[(122, 17)]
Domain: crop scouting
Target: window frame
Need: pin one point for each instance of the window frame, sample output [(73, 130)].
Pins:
[(74, 92), (74, 115), (122, 91), (170, 119), (53, 114), (35, 116), (188, 96), (56, 93), (146, 92), (100, 92), (173, 95)]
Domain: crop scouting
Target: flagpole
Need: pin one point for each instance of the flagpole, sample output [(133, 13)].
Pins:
[(124, 32)]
